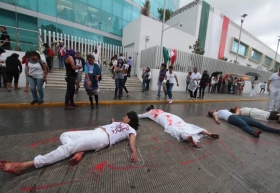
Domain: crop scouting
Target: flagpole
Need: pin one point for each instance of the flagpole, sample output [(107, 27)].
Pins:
[(162, 29)]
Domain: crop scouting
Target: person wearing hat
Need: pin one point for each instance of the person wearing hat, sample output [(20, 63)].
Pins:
[(203, 82), (76, 143), (3, 58), (92, 74), (70, 77)]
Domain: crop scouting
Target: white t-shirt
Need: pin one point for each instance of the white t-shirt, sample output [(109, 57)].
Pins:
[(118, 131), (170, 77), (35, 69), (79, 63), (126, 66), (3, 57), (275, 81), (223, 114), (96, 57)]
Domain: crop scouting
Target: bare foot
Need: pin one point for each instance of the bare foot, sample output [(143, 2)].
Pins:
[(76, 158), (214, 136), (190, 139), (12, 167)]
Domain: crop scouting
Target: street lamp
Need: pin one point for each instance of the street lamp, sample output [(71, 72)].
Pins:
[(242, 20), (276, 52), (162, 29)]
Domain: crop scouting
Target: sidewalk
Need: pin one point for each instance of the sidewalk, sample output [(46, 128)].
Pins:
[(55, 97)]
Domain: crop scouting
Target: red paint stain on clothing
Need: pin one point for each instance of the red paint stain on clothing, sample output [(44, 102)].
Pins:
[(44, 141), (98, 167), (155, 139), (194, 160), (156, 112)]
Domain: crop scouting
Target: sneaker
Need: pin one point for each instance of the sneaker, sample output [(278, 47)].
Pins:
[(170, 101), (157, 98), (33, 102), (192, 98), (40, 102)]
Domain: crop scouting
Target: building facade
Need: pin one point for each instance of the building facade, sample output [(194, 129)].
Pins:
[(97, 20)]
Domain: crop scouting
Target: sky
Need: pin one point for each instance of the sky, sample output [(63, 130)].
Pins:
[(263, 20)]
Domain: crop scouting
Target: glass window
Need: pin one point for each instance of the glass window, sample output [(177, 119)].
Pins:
[(9, 2), (107, 6), (127, 11), (138, 2), (94, 18), (48, 26), (95, 3), (65, 10), (8, 18), (255, 55), (242, 48), (80, 13), (106, 22), (84, 1), (135, 13), (117, 26), (118, 8), (28, 4), (277, 65), (47, 7), (267, 61)]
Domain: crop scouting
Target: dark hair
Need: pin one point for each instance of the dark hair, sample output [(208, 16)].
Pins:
[(210, 114), (170, 67), (150, 108), (164, 65), (3, 27), (14, 55), (129, 57), (27, 54), (256, 78), (134, 120), (90, 56), (2, 50), (190, 73), (120, 63), (34, 53), (46, 45), (121, 54), (232, 110)]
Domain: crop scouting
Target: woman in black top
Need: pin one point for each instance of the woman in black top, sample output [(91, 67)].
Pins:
[(203, 81), (13, 70), (70, 77)]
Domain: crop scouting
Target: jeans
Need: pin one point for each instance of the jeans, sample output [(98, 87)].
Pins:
[(49, 62), (119, 87), (61, 62), (124, 81), (37, 82), (159, 89), (274, 103), (213, 90), (169, 90), (201, 90), (69, 96), (4, 76), (147, 84), (144, 82), (245, 122)]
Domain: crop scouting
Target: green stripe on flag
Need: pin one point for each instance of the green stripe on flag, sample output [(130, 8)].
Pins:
[(203, 24)]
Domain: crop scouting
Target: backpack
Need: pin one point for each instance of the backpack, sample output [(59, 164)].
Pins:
[(61, 52), (50, 53)]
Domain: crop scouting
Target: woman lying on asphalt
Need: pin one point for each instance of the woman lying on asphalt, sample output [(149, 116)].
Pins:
[(177, 127), (255, 113), (75, 143), (242, 122)]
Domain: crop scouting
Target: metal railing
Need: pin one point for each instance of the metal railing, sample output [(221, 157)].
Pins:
[(185, 62)]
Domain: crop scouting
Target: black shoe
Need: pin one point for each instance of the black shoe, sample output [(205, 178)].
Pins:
[(92, 106), (40, 102), (97, 106), (120, 98), (115, 98), (33, 102)]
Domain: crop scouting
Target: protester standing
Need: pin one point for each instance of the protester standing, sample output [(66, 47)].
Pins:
[(161, 76), (5, 39), (80, 61), (49, 54), (3, 58), (170, 77), (273, 87), (61, 53), (262, 88), (203, 82), (24, 61), (119, 78), (13, 70), (188, 80), (125, 72), (254, 83), (130, 63), (196, 76)]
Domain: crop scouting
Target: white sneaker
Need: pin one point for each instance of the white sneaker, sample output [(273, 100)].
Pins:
[(170, 101)]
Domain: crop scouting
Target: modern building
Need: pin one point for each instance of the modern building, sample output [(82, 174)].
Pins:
[(97, 20)]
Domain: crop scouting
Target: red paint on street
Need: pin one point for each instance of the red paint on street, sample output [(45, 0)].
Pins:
[(155, 139), (98, 167), (194, 160), (44, 141), (125, 167)]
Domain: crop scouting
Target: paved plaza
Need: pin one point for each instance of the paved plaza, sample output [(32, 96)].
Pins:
[(236, 162)]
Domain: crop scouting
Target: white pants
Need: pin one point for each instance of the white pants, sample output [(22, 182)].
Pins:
[(274, 103), (252, 92), (73, 142)]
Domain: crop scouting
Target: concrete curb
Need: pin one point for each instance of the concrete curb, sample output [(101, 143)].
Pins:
[(124, 102)]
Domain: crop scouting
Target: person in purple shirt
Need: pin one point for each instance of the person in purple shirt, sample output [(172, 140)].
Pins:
[(129, 62)]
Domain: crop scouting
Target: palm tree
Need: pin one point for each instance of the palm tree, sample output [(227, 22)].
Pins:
[(167, 14), (145, 10)]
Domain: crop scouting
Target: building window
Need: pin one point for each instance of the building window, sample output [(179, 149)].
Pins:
[(242, 50), (277, 65), (267, 61), (255, 55)]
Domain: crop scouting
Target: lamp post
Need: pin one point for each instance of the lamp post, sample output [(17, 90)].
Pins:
[(162, 29), (276, 52), (242, 20)]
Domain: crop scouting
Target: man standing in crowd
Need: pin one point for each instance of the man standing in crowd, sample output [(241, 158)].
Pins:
[(273, 86), (61, 51), (122, 58), (96, 55), (129, 62), (3, 58), (196, 76), (5, 39), (80, 61)]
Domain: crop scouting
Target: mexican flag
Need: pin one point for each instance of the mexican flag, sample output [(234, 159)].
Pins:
[(166, 57), (173, 56)]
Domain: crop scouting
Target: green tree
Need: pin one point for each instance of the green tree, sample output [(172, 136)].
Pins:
[(145, 9), (196, 49), (167, 14)]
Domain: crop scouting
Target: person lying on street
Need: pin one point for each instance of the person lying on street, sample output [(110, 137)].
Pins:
[(77, 142), (177, 127), (245, 123)]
